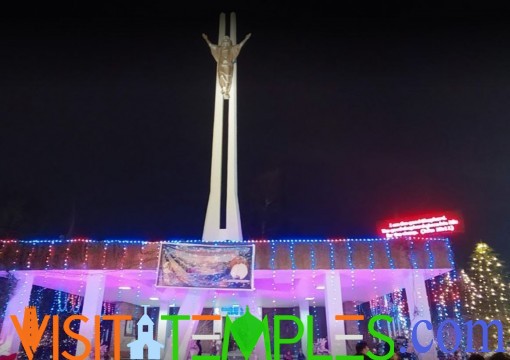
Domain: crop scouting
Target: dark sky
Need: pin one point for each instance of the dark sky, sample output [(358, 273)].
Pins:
[(346, 117)]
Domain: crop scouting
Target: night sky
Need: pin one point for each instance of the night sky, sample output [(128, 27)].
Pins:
[(346, 117)]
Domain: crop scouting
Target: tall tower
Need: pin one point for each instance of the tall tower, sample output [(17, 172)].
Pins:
[(223, 220)]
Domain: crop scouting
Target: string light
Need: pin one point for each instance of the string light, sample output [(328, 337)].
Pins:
[(105, 251), (6, 242), (3, 245), (29, 260), (313, 265), (121, 277), (15, 258), (387, 249), (273, 275), (414, 264), (293, 269), (350, 264), (140, 273)]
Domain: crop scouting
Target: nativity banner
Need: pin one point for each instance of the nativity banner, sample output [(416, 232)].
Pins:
[(206, 266)]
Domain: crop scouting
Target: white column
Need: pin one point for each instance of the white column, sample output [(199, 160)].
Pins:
[(218, 324), (304, 311), (192, 304), (16, 307), (418, 303), (92, 306), (212, 230), (351, 327), (164, 306), (260, 348), (334, 306), (233, 214)]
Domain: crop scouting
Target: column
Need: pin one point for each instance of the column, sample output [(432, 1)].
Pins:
[(16, 307), (418, 303), (334, 306), (218, 325), (212, 231), (304, 311), (92, 306), (233, 214), (164, 307), (351, 327), (192, 304), (260, 348)]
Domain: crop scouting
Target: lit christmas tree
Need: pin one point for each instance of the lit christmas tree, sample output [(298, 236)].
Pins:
[(486, 292), (469, 294)]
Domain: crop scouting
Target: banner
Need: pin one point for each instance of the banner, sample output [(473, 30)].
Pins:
[(206, 266)]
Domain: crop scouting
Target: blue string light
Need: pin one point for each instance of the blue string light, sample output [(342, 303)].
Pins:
[(331, 256), (450, 253), (388, 254), (350, 264), (431, 255), (293, 267), (313, 266), (194, 241), (371, 256), (313, 263), (414, 262), (273, 270), (292, 258)]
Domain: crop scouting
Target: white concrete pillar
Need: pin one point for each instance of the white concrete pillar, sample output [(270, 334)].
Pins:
[(419, 309), (260, 348), (233, 213), (351, 327), (218, 325), (192, 304), (163, 325), (16, 307), (334, 306), (92, 306), (212, 219), (304, 311)]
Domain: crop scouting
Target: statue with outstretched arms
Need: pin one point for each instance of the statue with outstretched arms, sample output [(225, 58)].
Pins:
[(225, 55)]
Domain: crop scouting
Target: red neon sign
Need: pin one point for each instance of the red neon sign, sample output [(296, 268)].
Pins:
[(429, 225)]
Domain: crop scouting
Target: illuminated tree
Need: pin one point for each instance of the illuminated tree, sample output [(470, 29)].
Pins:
[(486, 290), (469, 293)]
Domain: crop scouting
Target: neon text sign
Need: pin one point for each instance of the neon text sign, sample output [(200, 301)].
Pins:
[(446, 222)]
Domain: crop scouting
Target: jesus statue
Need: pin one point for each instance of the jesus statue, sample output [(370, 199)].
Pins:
[(225, 55)]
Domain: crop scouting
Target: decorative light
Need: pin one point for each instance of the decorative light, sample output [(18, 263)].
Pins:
[(313, 265), (388, 254), (350, 263), (273, 269), (293, 274)]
